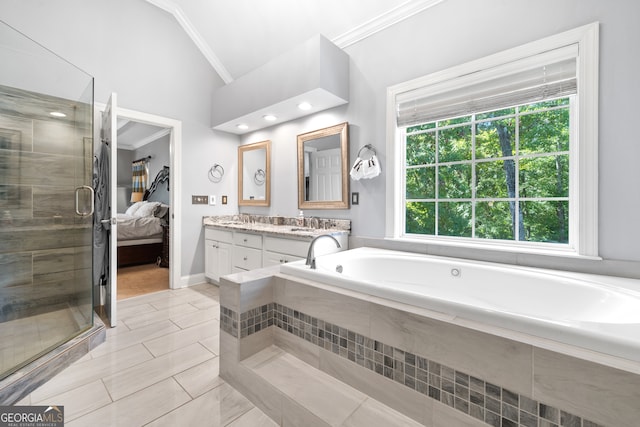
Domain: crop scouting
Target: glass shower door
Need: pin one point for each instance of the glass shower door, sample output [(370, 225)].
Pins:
[(46, 164)]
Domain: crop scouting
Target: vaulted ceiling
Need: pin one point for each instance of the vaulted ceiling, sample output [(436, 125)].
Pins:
[(240, 35)]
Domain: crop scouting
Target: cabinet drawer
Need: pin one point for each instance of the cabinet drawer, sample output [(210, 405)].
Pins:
[(297, 248), (247, 258), (219, 235), (276, 258), (248, 240)]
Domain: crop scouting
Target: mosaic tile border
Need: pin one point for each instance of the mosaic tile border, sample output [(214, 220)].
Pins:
[(229, 321), (487, 402)]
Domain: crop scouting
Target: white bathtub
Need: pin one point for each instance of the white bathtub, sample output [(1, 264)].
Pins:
[(599, 313)]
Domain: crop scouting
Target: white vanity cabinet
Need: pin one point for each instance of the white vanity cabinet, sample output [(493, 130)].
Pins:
[(233, 251), (247, 251), (217, 253), (279, 251)]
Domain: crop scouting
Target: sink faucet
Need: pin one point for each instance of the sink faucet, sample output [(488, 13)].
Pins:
[(311, 259)]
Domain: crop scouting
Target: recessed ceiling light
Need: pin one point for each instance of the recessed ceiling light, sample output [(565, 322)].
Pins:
[(270, 117), (242, 126), (304, 106), (57, 114)]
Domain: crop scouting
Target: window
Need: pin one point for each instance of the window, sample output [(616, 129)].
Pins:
[(500, 152), (502, 174)]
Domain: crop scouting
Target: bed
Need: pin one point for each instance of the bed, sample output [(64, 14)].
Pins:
[(143, 230)]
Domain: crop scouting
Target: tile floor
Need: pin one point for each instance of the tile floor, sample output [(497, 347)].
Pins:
[(158, 367)]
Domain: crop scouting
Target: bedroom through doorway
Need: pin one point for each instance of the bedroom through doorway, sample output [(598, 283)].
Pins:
[(143, 208)]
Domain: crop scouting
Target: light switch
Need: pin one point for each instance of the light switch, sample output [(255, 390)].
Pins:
[(199, 200), (212, 199)]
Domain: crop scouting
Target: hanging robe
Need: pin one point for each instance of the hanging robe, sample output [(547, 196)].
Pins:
[(102, 212)]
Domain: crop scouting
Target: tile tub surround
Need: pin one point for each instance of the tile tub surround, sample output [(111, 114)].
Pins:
[(477, 375)]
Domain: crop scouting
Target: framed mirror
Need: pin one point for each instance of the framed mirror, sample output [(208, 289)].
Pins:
[(254, 174), (323, 159)]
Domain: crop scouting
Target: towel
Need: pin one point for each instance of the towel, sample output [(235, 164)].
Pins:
[(365, 169), (371, 168), (356, 170)]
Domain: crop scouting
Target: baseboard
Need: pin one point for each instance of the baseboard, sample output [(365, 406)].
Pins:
[(191, 280)]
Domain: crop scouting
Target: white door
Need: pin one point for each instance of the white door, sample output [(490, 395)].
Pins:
[(326, 175), (109, 134)]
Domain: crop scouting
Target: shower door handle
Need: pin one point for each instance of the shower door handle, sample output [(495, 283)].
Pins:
[(91, 193)]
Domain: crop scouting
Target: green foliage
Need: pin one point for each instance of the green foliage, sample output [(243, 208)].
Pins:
[(487, 140), (454, 181), (421, 149), (544, 176), (493, 221), (546, 221), (490, 180), (538, 133), (454, 144), (454, 219), (421, 183), (421, 218)]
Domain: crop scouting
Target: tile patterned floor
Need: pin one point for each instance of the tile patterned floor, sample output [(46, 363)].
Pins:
[(158, 367)]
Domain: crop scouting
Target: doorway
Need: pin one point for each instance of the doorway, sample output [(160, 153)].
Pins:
[(174, 174), (143, 159)]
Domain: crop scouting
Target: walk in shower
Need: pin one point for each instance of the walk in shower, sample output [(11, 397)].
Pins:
[(46, 156)]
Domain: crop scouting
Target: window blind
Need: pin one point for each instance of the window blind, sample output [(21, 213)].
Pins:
[(536, 78)]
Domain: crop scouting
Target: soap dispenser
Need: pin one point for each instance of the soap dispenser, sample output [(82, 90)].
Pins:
[(300, 219)]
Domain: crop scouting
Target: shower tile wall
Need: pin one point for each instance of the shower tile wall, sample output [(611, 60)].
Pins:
[(45, 250)]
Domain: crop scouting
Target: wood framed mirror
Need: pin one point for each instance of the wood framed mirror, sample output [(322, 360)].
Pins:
[(254, 174), (323, 159)]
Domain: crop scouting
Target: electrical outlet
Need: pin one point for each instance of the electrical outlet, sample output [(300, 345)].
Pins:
[(199, 200), (212, 200)]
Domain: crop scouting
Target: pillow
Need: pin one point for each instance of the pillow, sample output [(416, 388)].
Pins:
[(161, 211), (131, 210), (147, 209)]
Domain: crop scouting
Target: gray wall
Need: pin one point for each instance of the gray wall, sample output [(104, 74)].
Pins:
[(125, 157), (141, 52), (457, 31)]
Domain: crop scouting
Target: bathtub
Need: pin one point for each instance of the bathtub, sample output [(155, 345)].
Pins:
[(598, 313)]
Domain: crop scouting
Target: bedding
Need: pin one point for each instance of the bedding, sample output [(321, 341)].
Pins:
[(143, 229), (142, 220), (138, 227)]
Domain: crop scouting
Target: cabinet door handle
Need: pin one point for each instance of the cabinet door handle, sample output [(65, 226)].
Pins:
[(244, 240), (245, 258)]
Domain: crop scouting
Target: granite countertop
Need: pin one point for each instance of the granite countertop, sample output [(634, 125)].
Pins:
[(278, 230)]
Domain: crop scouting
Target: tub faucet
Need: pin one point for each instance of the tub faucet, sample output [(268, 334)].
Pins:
[(311, 259)]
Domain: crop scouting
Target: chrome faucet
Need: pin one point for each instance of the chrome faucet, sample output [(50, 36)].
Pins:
[(311, 259)]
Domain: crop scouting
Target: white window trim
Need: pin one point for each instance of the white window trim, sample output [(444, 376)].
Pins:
[(585, 207)]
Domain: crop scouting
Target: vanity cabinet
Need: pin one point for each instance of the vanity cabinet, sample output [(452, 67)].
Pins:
[(217, 252), (247, 251), (233, 251), (280, 251)]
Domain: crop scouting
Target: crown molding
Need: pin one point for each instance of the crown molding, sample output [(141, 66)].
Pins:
[(149, 139), (188, 27), (385, 20)]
